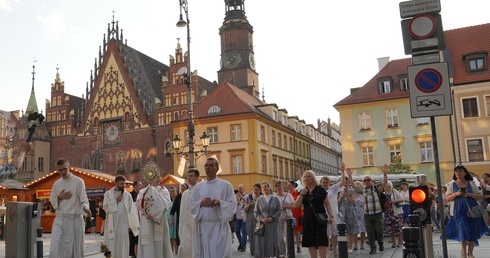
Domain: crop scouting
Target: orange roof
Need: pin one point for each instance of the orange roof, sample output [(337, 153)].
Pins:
[(459, 42), (93, 173)]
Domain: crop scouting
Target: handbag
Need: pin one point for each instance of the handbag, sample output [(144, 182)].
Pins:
[(259, 229), (475, 211), (382, 198), (260, 226), (321, 218)]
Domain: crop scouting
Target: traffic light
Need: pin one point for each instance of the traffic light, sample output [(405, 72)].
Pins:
[(420, 202)]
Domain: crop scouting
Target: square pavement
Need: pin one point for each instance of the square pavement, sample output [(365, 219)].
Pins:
[(92, 249)]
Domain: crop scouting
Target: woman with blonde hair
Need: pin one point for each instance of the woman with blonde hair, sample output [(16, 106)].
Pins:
[(314, 200)]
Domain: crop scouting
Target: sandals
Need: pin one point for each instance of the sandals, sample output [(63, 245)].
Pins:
[(298, 250)]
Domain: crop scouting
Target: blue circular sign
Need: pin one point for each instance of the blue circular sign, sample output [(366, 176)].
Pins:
[(428, 80)]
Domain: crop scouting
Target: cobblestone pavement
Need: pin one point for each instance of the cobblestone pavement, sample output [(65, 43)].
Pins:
[(92, 249)]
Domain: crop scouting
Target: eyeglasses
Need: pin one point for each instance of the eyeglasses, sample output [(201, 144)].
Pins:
[(366, 180)]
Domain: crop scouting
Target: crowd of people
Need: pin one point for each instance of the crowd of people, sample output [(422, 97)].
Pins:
[(199, 220)]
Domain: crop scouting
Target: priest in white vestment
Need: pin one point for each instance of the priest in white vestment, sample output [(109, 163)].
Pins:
[(213, 204), (154, 237), (118, 205), (69, 199), (187, 223)]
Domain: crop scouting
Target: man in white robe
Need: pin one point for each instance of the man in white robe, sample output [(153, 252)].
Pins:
[(154, 237), (69, 199), (187, 223), (213, 204), (120, 216)]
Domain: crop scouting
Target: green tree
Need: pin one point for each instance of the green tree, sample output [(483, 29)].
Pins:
[(398, 168)]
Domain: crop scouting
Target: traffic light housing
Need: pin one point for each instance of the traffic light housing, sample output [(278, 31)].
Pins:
[(420, 202)]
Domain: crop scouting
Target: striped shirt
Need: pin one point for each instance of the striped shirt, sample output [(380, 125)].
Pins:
[(372, 204)]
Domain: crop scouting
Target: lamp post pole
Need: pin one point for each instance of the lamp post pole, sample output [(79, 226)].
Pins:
[(188, 80)]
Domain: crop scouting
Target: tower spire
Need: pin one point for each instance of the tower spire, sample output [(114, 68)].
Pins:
[(32, 104)]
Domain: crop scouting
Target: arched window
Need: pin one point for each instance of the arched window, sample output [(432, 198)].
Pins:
[(86, 162), (121, 162), (136, 161)]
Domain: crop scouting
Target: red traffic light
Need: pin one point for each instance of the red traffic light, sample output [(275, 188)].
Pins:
[(418, 196)]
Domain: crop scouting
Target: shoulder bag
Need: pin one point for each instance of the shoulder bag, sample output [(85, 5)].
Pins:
[(321, 218), (475, 211), (260, 226)]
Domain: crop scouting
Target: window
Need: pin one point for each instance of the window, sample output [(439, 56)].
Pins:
[(285, 142), (214, 110), (279, 140), (237, 164), (291, 144), (168, 147), (470, 107), (404, 84), (281, 170), (391, 118), (136, 161), (283, 120), (475, 150), (476, 63), (121, 162), (384, 87), (367, 156), (274, 115), (263, 162), (365, 120), (236, 132), (425, 152), (422, 120), (262, 133), (487, 105), (86, 162), (273, 138), (274, 166), (213, 134), (394, 152), (40, 164)]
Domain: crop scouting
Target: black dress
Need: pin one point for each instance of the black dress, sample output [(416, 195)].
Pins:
[(314, 234)]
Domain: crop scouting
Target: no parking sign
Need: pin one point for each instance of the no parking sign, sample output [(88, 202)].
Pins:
[(430, 93)]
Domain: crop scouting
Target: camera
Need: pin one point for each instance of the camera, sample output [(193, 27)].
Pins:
[(463, 190)]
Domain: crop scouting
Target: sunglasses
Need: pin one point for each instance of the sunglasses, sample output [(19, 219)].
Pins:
[(366, 180)]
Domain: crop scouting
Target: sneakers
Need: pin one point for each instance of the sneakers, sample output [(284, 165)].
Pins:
[(381, 248), (373, 251)]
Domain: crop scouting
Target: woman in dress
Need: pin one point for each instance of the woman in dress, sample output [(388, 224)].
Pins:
[(172, 222), (268, 210), (360, 215), (287, 202), (393, 214), (461, 193), (314, 200), (249, 214), (405, 203), (347, 200), (297, 213)]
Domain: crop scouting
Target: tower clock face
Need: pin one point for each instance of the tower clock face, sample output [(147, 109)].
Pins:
[(232, 59)]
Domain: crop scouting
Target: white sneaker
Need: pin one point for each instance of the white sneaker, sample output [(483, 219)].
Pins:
[(349, 250)]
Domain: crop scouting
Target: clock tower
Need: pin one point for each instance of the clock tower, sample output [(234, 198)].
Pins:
[(237, 54)]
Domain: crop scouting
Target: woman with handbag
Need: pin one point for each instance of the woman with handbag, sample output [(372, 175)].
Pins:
[(314, 200), (463, 195), (267, 212), (393, 214)]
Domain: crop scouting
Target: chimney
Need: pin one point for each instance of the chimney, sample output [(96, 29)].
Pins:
[(382, 62)]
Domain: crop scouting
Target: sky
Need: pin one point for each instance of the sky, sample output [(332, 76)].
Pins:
[(308, 54)]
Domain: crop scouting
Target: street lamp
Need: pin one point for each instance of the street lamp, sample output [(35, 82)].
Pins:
[(187, 73), (179, 149)]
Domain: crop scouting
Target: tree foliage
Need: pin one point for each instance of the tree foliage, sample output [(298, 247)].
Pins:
[(398, 168)]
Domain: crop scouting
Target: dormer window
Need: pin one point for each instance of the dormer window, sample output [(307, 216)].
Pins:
[(385, 85), (214, 110), (274, 115), (476, 63), (403, 83)]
